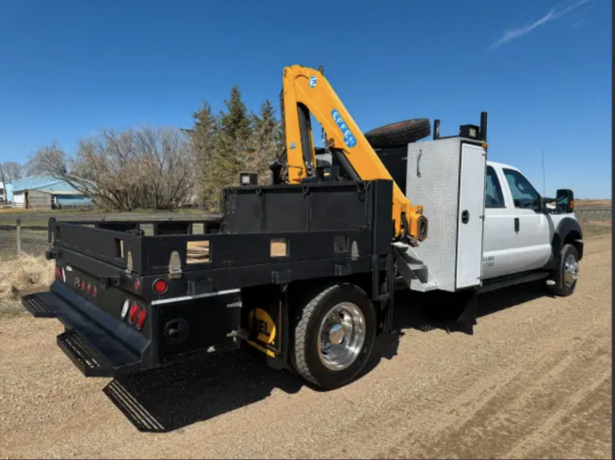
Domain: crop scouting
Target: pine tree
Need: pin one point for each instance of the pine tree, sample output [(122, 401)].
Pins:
[(267, 140), (204, 139), (235, 145), (235, 140), (236, 122)]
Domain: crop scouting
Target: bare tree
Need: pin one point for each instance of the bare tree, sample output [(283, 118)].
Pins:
[(50, 159), (125, 170), (166, 158), (12, 171)]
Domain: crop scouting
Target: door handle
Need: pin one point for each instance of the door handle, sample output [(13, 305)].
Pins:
[(516, 225), (418, 163), (465, 216)]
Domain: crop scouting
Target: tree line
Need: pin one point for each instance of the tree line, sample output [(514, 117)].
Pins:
[(149, 167)]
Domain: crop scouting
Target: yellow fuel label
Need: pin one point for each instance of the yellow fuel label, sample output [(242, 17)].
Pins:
[(262, 323)]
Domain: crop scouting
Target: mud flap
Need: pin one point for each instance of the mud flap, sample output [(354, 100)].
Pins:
[(466, 321)]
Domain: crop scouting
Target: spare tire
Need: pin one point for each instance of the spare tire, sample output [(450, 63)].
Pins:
[(400, 133)]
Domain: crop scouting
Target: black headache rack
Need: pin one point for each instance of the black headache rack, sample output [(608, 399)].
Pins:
[(268, 236)]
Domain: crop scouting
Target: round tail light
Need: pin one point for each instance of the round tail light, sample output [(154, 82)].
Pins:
[(160, 286), (94, 291), (89, 289), (83, 285), (132, 314), (141, 318)]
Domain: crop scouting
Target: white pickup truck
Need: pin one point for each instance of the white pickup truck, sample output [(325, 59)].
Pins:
[(523, 233), (488, 225)]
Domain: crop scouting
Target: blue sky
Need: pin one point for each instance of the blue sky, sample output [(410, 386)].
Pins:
[(542, 69)]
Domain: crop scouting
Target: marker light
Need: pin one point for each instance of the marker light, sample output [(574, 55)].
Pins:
[(160, 286), (124, 308)]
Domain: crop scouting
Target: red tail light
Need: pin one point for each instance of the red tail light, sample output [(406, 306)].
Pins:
[(141, 318), (58, 273), (160, 286), (137, 285), (132, 314), (82, 285), (89, 289), (94, 291)]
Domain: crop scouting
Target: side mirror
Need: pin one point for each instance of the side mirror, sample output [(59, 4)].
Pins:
[(564, 201)]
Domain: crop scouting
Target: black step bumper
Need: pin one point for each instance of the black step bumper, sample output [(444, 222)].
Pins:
[(98, 345)]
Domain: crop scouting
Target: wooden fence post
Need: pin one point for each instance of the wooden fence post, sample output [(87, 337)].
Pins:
[(18, 238)]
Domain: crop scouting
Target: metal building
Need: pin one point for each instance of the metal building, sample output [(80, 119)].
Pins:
[(46, 192)]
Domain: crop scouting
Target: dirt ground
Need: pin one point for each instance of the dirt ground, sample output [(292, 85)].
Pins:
[(534, 381)]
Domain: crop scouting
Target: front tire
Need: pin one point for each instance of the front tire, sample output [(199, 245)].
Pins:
[(334, 337), (567, 271)]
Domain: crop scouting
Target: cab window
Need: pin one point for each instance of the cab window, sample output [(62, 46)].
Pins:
[(493, 190), (523, 193)]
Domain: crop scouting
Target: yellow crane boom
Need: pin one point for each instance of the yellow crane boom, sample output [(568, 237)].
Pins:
[(306, 91)]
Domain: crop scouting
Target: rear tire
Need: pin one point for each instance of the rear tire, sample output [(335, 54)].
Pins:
[(334, 337), (398, 134), (566, 273)]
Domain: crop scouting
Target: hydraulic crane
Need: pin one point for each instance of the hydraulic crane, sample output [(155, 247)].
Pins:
[(310, 92)]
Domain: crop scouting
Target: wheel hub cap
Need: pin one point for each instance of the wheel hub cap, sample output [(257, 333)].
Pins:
[(341, 336), (336, 334), (571, 270)]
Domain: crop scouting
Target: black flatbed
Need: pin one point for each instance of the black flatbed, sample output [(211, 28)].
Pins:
[(269, 239)]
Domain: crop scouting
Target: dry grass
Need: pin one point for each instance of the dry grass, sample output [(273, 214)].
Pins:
[(22, 276), (591, 229), (588, 204)]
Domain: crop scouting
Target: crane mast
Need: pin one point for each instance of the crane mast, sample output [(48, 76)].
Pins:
[(306, 91)]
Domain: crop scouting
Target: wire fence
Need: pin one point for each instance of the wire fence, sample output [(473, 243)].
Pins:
[(27, 235), (22, 237), (593, 214)]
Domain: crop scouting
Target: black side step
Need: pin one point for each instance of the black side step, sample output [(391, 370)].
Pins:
[(87, 340), (36, 307), (84, 357), (507, 281)]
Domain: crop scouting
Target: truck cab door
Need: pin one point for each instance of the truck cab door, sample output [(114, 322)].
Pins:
[(532, 229), (518, 233)]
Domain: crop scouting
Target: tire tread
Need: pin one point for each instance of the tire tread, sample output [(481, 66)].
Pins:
[(300, 362), (559, 287)]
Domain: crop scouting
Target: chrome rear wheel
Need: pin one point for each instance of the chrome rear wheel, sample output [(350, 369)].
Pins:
[(342, 335)]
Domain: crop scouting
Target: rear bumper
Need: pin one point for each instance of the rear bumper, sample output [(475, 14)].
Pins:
[(97, 344)]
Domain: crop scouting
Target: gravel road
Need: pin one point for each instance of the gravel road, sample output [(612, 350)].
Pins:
[(534, 381)]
